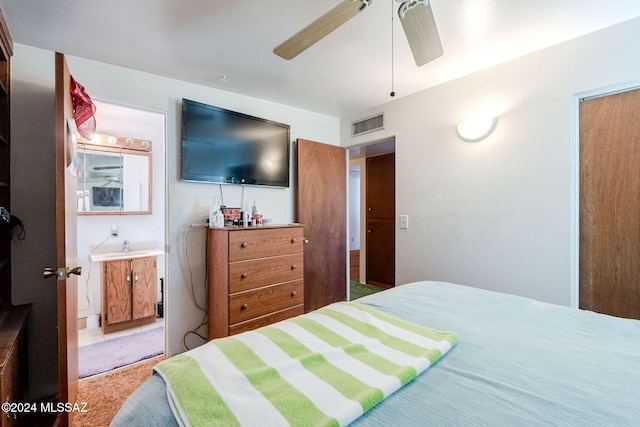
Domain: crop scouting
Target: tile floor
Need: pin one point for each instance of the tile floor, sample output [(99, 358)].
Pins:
[(91, 336)]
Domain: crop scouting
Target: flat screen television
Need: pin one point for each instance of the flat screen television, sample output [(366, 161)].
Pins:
[(107, 196), (224, 146)]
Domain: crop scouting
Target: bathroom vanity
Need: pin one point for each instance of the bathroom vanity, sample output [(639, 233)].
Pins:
[(129, 288)]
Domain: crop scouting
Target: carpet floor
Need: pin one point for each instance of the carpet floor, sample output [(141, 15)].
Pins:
[(359, 290), (117, 352), (105, 393)]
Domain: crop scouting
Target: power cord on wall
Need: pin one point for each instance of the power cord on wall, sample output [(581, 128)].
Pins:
[(241, 196), (86, 283), (204, 321), (196, 332), (190, 270)]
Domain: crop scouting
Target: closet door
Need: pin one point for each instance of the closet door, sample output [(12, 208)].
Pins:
[(381, 212), (610, 204)]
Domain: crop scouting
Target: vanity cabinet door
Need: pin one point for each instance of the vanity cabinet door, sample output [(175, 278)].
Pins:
[(144, 287), (129, 293), (117, 291)]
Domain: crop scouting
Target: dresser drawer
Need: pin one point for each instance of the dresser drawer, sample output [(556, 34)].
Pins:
[(259, 322), (246, 275), (262, 243), (247, 305)]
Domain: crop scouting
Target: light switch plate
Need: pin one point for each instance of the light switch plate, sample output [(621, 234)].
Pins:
[(404, 221)]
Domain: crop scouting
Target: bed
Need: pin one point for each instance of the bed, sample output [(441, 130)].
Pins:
[(516, 362)]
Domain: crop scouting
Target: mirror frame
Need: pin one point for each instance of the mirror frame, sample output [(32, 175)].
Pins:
[(120, 145)]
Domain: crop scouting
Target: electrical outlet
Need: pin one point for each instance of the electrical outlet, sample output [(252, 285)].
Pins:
[(404, 221)]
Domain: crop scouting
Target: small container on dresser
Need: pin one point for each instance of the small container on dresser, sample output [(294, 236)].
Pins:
[(255, 277)]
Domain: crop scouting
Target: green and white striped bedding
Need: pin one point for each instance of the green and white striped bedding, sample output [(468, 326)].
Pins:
[(327, 367)]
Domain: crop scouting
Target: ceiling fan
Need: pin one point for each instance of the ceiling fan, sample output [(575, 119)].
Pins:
[(416, 17)]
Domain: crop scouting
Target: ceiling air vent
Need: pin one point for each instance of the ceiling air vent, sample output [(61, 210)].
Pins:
[(370, 124)]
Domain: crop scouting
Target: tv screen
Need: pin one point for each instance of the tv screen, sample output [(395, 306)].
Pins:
[(107, 196), (224, 146)]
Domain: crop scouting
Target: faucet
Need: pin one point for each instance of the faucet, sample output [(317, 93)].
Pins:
[(125, 246)]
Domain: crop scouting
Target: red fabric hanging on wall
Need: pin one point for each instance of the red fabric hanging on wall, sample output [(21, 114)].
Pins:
[(83, 110)]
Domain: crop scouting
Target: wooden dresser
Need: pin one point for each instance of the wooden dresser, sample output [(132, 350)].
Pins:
[(255, 277)]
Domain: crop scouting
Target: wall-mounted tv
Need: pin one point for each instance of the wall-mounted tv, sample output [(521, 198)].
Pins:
[(224, 146)]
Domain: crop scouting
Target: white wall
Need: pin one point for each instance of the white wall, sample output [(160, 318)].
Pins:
[(122, 120), (498, 214), (33, 187)]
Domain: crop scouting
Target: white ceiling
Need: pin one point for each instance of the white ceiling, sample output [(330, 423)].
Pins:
[(348, 71)]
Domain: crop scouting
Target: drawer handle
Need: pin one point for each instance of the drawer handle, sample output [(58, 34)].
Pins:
[(293, 240), (293, 293), (244, 275), (293, 267), (243, 245), (244, 307)]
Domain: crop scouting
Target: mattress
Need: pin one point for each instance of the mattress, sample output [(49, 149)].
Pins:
[(517, 362)]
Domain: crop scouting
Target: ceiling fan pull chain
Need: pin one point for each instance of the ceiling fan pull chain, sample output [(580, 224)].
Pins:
[(393, 92)]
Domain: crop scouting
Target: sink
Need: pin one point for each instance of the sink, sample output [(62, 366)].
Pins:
[(112, 256)]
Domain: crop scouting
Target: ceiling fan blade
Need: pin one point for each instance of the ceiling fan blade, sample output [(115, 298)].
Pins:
[(421, 31), (318, 29)]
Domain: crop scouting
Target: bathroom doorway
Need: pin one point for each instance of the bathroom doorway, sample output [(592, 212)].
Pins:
[(139, 237)]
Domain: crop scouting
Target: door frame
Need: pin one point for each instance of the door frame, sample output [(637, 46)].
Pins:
[(575, 177), (164, 155), (372, 148)]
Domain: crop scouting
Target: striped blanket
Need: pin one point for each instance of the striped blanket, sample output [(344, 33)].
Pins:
[(324, 368)]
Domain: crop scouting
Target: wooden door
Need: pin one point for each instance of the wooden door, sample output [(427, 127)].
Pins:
[(66, 241), (144, 296), (610, 204), (381, 212), (321, 205), (117, 291)]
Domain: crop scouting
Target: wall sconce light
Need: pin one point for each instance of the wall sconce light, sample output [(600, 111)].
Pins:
[(476, 128)]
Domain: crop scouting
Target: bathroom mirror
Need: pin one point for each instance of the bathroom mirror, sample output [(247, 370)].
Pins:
[(114, 176)]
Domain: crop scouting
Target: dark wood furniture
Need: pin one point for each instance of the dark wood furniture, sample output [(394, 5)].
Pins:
[(255, 277), (13, 352)]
